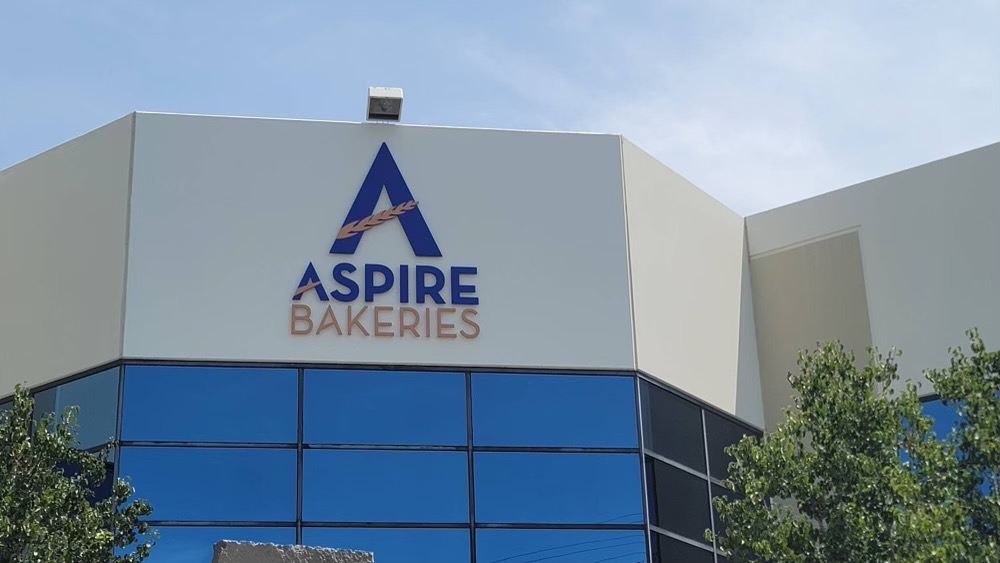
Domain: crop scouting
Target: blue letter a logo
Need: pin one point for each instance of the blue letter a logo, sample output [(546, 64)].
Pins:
[(385, 174)]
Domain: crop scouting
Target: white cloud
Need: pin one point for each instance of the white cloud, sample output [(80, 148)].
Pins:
[(764, 103)]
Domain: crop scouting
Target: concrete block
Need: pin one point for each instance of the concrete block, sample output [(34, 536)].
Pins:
[(250, 552)]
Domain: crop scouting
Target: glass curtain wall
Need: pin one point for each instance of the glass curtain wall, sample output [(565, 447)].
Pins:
[(418, 466)]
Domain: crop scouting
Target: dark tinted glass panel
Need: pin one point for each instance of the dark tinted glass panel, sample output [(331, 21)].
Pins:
[(559, 546), (669, 550), (196, 404), (718, 491), (396, 545), (680, 500), (385, 486), (214, 484), (194, 545), (379, 408), (721, 434), (97, 397), (554, 410), (558, 488), (672, 427)]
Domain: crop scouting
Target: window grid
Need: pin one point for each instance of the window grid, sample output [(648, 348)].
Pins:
[(470, 448), (705, 475)]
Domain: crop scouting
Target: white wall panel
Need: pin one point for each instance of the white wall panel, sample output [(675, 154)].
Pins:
[(227, 212), (686, 256), (63, 217), (929, 251)]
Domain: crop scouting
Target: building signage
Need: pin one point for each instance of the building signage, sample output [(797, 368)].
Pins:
[(361, 299)]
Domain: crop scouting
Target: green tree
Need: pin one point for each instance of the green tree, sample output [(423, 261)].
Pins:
[(855, 472), (48, 513)]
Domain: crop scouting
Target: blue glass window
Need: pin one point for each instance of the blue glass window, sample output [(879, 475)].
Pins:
[(194, 544), (558, 488), (214, 484), (672, 427), (97, 397), (384, 408), (198, 404), (385, 486), (396, 545), (554, 410), (945, 417), (559, 546)]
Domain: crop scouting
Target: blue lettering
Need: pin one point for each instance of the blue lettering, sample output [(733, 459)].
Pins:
[(458, 289), (371, 289), (433, 290), (404, 284), (340, 277), (310, 280)]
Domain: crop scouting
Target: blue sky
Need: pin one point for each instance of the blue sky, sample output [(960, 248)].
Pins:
[(759, 103)]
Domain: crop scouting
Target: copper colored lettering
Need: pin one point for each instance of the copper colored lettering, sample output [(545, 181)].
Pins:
[(408, 326), (301, 314), (467, 315), (443, 328), (355, 321), (380, 324), (329, 320)]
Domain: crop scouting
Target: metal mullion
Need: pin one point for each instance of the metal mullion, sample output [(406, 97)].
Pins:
[(221, 524), (708, 473), (299, 457), (118, 421), (535, 526), (680, 538), (216, 445), (672, 463), (555, 450), (381, 367), (394, 525), (384, 447), (470, 451), (642, 470)]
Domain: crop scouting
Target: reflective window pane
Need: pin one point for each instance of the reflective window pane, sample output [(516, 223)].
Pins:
[(945, 417), (385, 408), (214, 484), (198, 404), (558, 488), (721, 434), (385, 486), (195, 544), (554, 410), (672, 427), (396, 545), (669, 550), (559, 546), (680, 501), (97, 397)]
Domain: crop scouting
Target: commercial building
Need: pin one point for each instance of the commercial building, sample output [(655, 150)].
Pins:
[(452, 345)]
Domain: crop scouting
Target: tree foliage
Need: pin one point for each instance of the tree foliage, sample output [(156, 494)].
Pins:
[(856, 473), (48, 511)]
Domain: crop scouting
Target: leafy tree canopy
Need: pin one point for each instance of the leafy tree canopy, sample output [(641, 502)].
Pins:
[(48, 510), (855, 472)]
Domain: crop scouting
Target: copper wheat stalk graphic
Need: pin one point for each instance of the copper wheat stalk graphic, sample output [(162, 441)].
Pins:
[(355, 228), (361, 225)]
